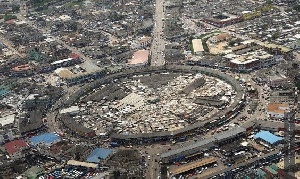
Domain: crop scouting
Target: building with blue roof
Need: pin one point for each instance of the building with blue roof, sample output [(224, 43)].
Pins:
[(46, 139), (98, 154), (268, 137)]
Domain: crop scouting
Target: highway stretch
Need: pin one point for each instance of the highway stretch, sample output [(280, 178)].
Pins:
[(158, 43)]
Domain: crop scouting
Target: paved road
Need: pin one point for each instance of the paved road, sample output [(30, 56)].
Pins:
[(158, 43)]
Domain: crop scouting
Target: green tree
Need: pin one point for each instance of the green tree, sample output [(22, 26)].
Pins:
[(9, 17), (15, 8)]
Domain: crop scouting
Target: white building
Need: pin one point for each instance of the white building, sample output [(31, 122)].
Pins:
[(197, 46), (71, 110), (7, 120)]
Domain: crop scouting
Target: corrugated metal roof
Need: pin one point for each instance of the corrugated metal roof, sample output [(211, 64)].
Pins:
[(47, 138), (97, 154), (229, 133), (267, 136), (205, 142), (189, 147)]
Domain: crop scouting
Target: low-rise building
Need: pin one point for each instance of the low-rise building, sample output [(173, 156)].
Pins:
[(71, 110), (197, 46), (22, 70), (15, 148), (219, 38), (277, 110), (268, 138), (47, 139), (7, 120), (279, 80), (99, 154), (33, 172), (251, 60)]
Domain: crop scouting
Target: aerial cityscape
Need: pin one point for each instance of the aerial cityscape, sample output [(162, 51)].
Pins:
[(149, 89)]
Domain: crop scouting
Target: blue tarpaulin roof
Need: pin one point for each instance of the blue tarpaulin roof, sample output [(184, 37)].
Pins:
[(47, 138), (268, 137), (97, 154)]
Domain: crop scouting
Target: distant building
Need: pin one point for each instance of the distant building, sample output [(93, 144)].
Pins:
[(219, 38), (277, 110), (33, 172), (67, 62), (32, 123), (279, 80), (22, 70), (251, 60), (145, 41), (268, 138), (47, 139), (7, 120), (77, 128), (223, 21), (139, 58), (71, 110), (197, 46), (64, 18), (6, 135), (15, 148), (99, 154)]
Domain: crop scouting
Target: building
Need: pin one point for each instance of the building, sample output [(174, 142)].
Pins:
[(15, 148), (6, 135), (44, 139), (194, 165), (66, 62), (72, 110), (99, 154), (277, 110), (218, 139), (268, 138), (139, 58), (278, 80), (145, 41), (224, 20), (251, 60), (32, 124), (219, 38), (77, 128), (197, 46), (7, 120), (33, 172), (22, 70), (271, 171)]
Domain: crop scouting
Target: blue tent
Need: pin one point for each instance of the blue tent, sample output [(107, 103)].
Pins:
[(97, 154), (268, 137)]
